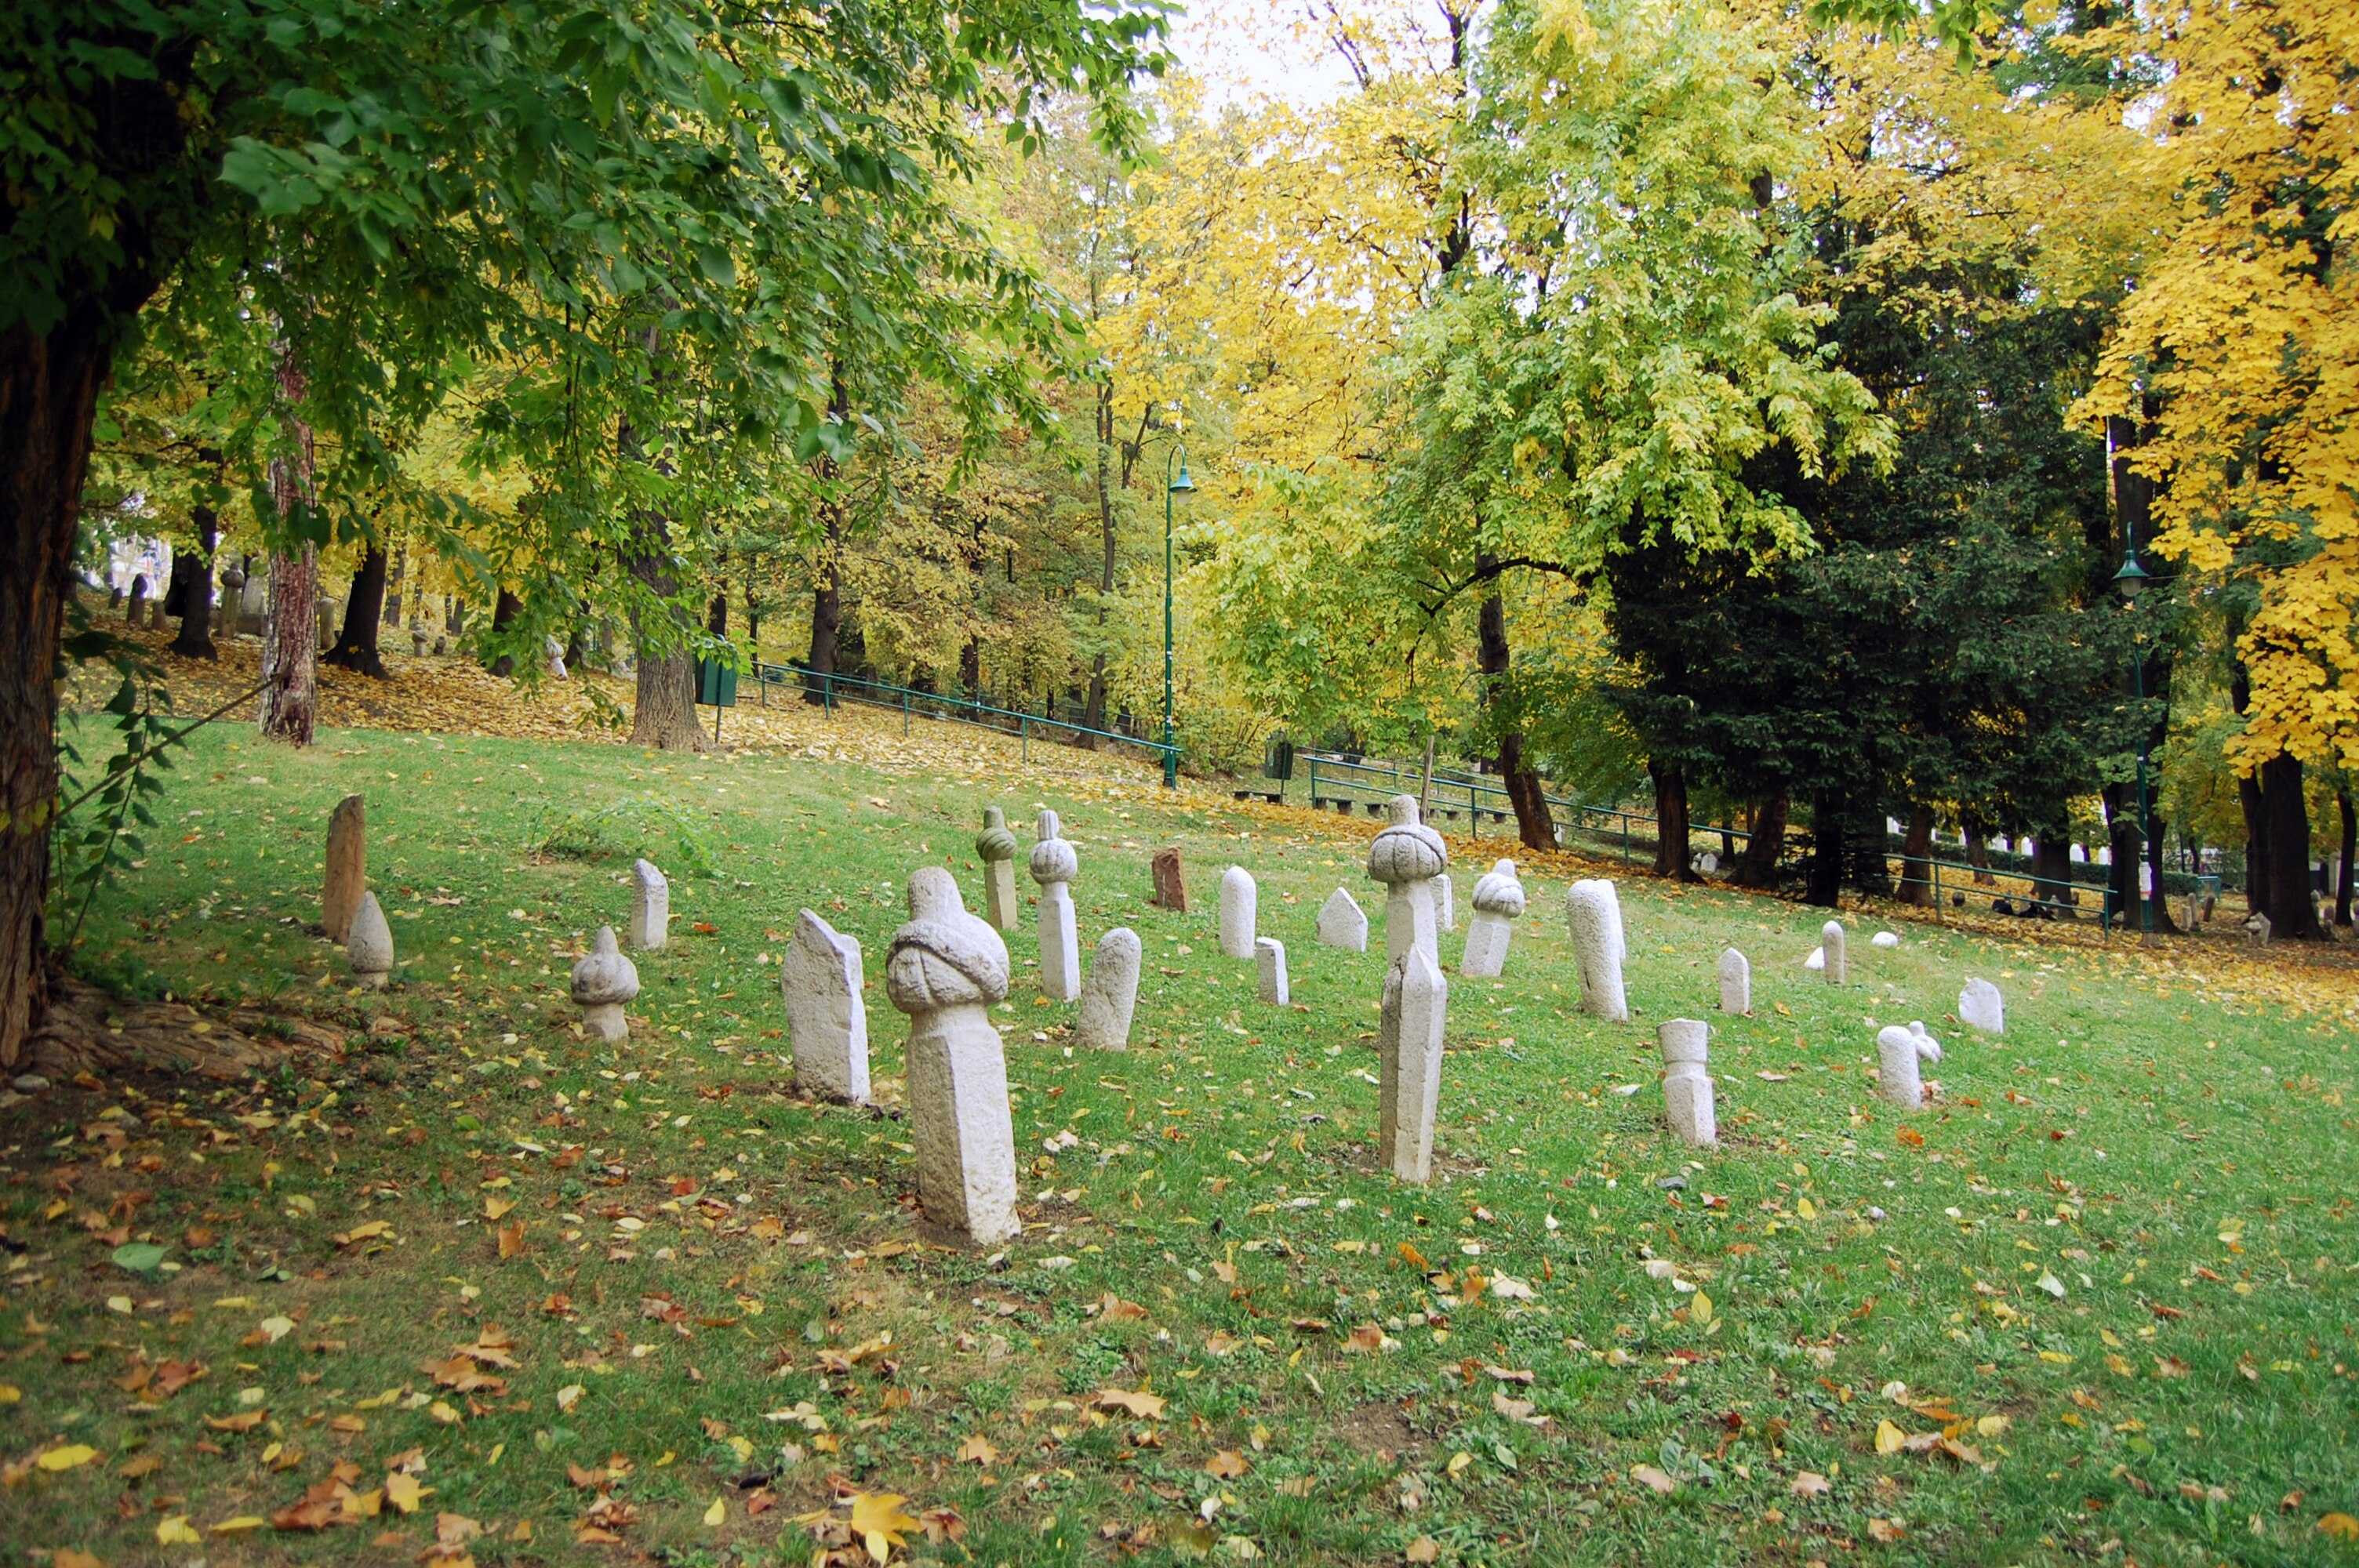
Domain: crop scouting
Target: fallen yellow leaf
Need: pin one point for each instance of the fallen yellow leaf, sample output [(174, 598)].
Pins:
[(1890, 1439), (878, 1520), (67, 1457), (178, 1531), (719, 1511)]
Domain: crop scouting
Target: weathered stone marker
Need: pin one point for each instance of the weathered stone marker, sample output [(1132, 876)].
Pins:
[(1928, 1048), (1830, 944), (1594, 911), (827, 1020), (995, 846), (1112, 993), (1170, 882), (650, 906), (1342, 923), (368, 944), (1240, 901), (1270, 958), (347, 876), (945, 968), (1735, 982), (603, 981), (1053, 866), (1896, 1074), (1981, 1006), (1406, 857), (1445, 904), (1498, 902), (1686, 1045), (1408, 1042)]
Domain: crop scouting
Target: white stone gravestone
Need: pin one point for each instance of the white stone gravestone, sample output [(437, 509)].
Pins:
[(1981, 1006), (1269, 961), (1053, 866), (1445, 904), (650, 924), (827, 1021), (603, 981), (1343, 922), (368, 944), (1595, 911), (1735, 982), (1408, 1044), (1112, 993), (1897, 1077), (1498, 902), (1687, 1087), (995, 846), (1239, 907), (945, 968), (1833, 969), (1406, 856)]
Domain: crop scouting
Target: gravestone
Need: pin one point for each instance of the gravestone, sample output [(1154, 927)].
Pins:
[(1239, 906), (1269, 961), (1686, 1045), (2194, 911), (1498, 902), (1053, 866), (1343, 922), (603, 981), (1594, 911), (1112, 993), (995, 846), (1408, 1044), (1735, 982), (1830, 945), (1897, 1075), (347, 875), (552, 653), (1981, 1006), (1406, 856), (2256, 929), (1445, 904), (1885, 939), (252, 600), (945, 968), (650, 924), (1170, 882), (368, 944), (1928, 1048), (827, 1021)]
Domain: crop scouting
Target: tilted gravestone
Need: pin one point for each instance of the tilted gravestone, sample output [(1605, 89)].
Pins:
[(946, 969)]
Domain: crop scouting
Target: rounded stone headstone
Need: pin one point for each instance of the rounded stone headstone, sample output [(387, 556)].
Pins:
[(368, 944), (1240, 904), (1111, 995), (1981, 1006)]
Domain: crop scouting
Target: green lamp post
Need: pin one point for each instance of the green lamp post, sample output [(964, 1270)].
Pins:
[(2129, 582), (1173, 485)]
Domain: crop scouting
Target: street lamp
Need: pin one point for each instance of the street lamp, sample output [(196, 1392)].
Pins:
[(1173, 486), (2129, 582)]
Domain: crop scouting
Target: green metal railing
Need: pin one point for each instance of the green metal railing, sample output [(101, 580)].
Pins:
[(912, 704)]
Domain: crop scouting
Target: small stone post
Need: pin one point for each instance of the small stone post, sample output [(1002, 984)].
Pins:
[(1239, 901), (347, 876), (1406, 856), (603, 981), (945, 968), (1112, 994), (1830, 944), (1170, 882), (821, 981), (1445, 904), (1686, 1045), (368, 944), (1896, 1074), (1594, 911), (1269, 954), (1053, 866), (996, 847), (1498, 902), (1735, 982), (650, 906), (1408, 1042), (1342, 923)]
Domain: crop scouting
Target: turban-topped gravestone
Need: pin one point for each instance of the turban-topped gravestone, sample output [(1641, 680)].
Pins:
[(945, 968)]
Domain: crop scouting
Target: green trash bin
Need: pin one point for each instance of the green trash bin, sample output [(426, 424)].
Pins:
[(716, 683)]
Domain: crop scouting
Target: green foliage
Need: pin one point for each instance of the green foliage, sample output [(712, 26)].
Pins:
[(646, 825)]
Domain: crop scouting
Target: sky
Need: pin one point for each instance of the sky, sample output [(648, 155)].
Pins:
[(1243, 50)]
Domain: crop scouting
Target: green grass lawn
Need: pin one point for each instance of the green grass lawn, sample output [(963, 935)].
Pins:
[(2113, 1266)]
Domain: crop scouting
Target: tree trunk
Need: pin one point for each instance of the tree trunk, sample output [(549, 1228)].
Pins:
[(1825, 886), (1916, 860), (2051, 864), (827, 595), (2342, 883), (663, 713), (1670, 821), (355, 646), (1535, 823), (1764, 843), (1093, 705), (290, 646), (716, 619), (195, 640), (504, 610), (1978, 855), (395, 580), (2290, 908)]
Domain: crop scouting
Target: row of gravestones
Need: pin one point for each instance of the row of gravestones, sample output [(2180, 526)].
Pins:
[(946, 969)]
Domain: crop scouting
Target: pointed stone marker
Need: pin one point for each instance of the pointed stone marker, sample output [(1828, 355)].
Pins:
[(650, 906), (603, 981), (1240, 901), (1406, 856), (1270, 956), (945, 968), (1170, 882), (368, 943), (827, 1020), (1832, 968), (1980, 1006), (995, 846), (347, 876), (1053, 866), (1735, 982), (1408, 1042), (1343, 922), (1686, 1045), (1112, 993), (1498, 902), (1897, 1077), (1594, 911)]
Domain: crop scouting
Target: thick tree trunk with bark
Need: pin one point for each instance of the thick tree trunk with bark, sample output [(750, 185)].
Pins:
[(1535, 823), (1670, 821), (355, 646), (827, 594), (1917, 859), (664, 713), (2289, 905), (2051, 863), (1824, 888), (2349, 824), (1978, 854), (504, 610), (290, 707), (195, 639), (1764, 843)]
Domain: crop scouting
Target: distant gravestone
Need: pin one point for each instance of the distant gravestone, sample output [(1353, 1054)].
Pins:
[(368, 944), (995, 846), (945, 968), (1885, 939), (1410, 1045), (2256, 929), (1687, 1087), (1269, 962), (650, 924), (1498, 902), (603, 981), (1830, 944), (1406, 856), (1053, 866), (1343, 922), (1735, 982), (347, 871), (1445, 904), (1981, 1006), (552, 653), (1112, 994), (1896, 1074), (1594, 913), (1170, 882), (1240, 901), (827, 1020)]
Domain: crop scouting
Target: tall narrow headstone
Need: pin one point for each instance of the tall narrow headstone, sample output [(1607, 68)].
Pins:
[(1445, 904), (1406, 856), (1239, 901), (1342, 923), (1686, 1045), (650, 906), (1830, 944), (945, 968), (1498, 902), (368, 944), (1171, 880), (827, 1020), (1112, 993), (1594, 911), (1408, 1044), (1981, 1006), (603, 981), (1735, 982), (1897, 1077), (995, 846), (347, 876), (1053, 866), (1269, 955)]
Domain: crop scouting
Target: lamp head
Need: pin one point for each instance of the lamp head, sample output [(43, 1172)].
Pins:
[(2131, 579), (1182, 484)]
